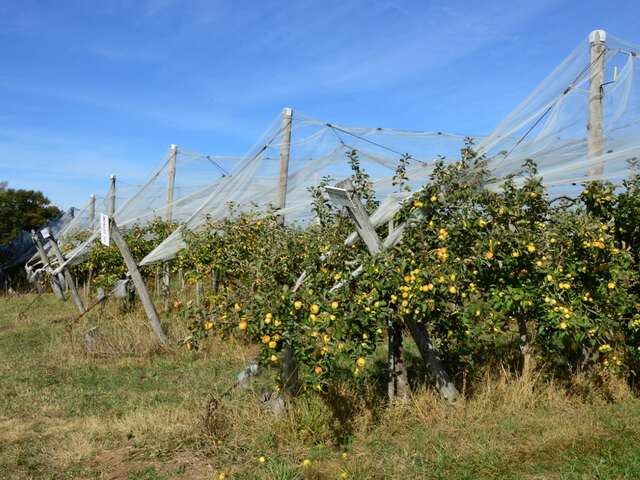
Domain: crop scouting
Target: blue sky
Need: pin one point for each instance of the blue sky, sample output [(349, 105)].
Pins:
[(88, 89)]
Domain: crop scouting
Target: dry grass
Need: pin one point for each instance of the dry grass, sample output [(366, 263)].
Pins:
[(132, 411)]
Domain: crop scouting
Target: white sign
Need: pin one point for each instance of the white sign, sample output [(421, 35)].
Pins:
[(45, 233), (105, 234)]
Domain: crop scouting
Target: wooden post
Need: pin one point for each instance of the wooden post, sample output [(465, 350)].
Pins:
[(595, 139), (429, 354), (138, 281), (285, 151), (89, 278), (92, 209), (156, 284), (92, 218), (71, 284), (398, 386), (55, 286), (289, 364), (344, 195), (39, 288), (199, 293), (214, 281), (112, 196), (171, 181)]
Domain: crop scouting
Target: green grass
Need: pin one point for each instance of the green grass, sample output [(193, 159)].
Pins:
[(140, 415)]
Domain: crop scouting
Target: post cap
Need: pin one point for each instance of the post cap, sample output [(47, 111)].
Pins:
[(598, 36), (173, 146), (93, 196), (287, 111)]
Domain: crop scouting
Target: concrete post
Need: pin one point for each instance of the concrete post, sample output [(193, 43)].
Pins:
[(285, 151), (112, 196), (595, 138)]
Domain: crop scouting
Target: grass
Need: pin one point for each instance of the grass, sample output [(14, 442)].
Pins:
[(133, 411)]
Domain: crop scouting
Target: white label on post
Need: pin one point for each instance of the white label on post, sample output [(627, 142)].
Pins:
[(105, 234), (45, 233)]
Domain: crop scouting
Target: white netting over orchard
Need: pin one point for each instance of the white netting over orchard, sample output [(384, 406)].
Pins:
[(548, 127), (317, 149), (195, 178)]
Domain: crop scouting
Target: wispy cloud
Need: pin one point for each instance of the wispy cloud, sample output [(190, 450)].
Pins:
[(123, 53)]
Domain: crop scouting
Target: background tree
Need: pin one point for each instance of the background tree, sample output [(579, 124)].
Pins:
[(23, 210)]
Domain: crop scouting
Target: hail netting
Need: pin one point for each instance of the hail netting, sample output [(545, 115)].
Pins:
[(317, 149), (549, 126), (196, 175), (64, 229), (21, 249), (81, 223)]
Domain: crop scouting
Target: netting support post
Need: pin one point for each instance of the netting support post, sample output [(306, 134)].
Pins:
[(55, 286), (68, 278), (138, 281), (92, 218), (92, 209), (199, 293), (171, 179), (36, 283), (289, 363), (595, 135), (87, 292), (171, 182), (344, 195), (398, 386), (285, 151), (111, 210)]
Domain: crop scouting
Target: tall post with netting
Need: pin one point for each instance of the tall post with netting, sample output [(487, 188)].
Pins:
[(289, 364), (112, 196), (171, 181), (595, 136), (92, 209), (285, 151)]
